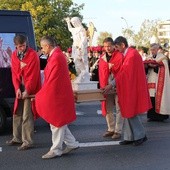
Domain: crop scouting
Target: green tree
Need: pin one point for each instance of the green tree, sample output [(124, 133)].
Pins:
[(147, 30), (147, 34), (130, 35), (48, 17), (102, 36)]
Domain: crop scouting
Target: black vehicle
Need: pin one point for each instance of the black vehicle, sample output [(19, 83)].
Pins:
[(11, 23)]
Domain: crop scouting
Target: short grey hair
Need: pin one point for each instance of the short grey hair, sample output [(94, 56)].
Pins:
[(49, 40), (155, 46)]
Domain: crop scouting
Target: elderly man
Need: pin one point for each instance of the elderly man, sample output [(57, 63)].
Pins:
[(158, 84), (55, 101)]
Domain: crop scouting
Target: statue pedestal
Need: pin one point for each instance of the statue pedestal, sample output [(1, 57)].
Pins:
[(91, 85), (85, 92)]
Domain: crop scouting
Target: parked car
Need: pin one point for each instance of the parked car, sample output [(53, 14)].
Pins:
[(11, 23)]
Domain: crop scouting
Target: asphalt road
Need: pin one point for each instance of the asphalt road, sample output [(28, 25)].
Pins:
[(96, 152)]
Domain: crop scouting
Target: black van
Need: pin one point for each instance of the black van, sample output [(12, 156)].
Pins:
[(11, 23)]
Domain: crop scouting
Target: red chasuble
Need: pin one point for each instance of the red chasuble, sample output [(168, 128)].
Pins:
[(131, 85), (105, 69), (55, 101), (29, 70)]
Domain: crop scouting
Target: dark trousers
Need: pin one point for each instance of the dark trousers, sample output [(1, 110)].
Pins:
[(153, 116)]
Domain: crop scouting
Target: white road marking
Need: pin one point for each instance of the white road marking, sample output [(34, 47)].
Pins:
[(91, 144), (99, 112), (0, 149), (78, 113)]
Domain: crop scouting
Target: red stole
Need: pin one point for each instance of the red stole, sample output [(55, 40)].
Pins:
[(107, 68), (160, 87), (29, 69), (55, 101), (131, 85)]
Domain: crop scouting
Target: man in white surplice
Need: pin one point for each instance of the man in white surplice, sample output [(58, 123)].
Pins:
[(158, 84)]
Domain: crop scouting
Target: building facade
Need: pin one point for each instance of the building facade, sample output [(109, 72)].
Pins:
[(164, 32)]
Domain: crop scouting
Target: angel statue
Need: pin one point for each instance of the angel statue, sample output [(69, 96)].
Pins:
[(79, 49), (90, 33)]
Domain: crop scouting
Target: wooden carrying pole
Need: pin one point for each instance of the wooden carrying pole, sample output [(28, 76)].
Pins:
[(86, 95)]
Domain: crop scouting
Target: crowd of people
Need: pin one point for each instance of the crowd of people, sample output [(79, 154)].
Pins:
[(132, 86)]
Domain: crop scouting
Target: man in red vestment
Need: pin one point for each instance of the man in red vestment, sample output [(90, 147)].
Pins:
[(25, 69), (55, 101), (109, 65), (133, 95)]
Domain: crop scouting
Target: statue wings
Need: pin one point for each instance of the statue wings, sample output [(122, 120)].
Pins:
[(90, 32)]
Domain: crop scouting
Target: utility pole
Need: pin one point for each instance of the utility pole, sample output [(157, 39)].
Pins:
[(127, 26), (127, 32)]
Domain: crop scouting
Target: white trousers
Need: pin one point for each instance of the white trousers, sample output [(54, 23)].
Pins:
[(62, 135)]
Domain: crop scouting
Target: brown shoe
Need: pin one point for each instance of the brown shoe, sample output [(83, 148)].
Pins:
[(24, 147), (108, 134), (116, 136), (12, 142)]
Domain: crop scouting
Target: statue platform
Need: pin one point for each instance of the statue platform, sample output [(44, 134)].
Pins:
[(87, 91), (88, 95), (90, 85)]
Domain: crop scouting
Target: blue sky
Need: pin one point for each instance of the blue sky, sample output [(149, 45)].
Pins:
[(106, 14)]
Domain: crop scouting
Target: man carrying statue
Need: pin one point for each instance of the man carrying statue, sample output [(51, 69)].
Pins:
[(79, 49)]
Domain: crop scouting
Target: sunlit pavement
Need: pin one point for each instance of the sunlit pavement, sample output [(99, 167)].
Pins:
[(95, 152)]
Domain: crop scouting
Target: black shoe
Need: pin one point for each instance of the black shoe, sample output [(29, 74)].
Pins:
[(125, 142), (140, 141), (155, 120), (150, 120)]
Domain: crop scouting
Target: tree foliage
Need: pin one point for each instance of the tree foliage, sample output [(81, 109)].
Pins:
[(129, 34), (102, 36), (147, 30), (48, 17)]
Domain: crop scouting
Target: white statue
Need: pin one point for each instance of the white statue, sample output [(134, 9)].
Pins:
[(79, 49)]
